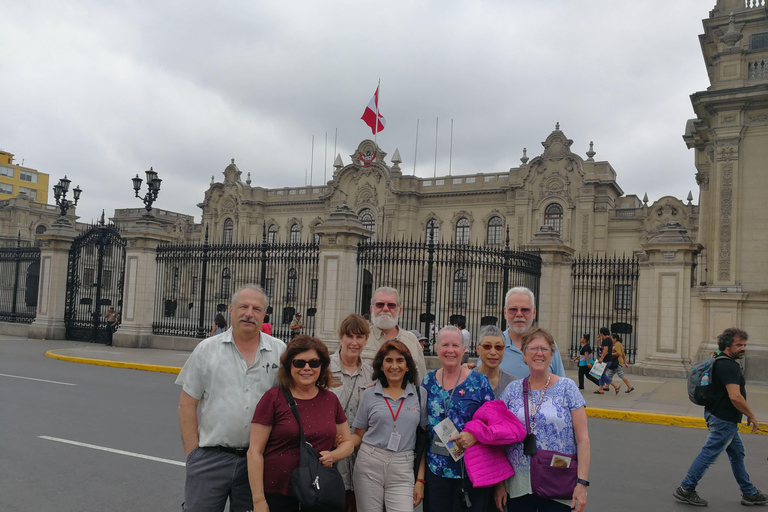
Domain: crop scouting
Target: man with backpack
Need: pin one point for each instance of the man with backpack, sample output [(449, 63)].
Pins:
[(723, 413)]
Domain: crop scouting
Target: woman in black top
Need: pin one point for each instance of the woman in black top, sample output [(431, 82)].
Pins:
[(584, 357)]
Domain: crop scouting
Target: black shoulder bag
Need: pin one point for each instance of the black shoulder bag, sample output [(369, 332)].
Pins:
[(422, 440), (314, 485)]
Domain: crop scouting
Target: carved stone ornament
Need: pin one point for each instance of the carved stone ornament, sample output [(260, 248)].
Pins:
[(366, 195), (709, 149), (727, 150), (232, 174), (585, 233), (368, 154), (661, 215), (757, 118), (702, 180), (229, 205), (724, 265), (558, 186)]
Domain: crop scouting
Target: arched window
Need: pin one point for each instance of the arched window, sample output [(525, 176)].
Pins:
[(291, 286), (368, 220), (226, 283), (462, 231), (272, 234), (295, 234), (433, 230), (553, 216), (495, 224), (40, 230), (228, 229), (460, 287)]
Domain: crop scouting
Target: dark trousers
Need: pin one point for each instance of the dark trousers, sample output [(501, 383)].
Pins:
[(212, 478), (532, 503), (444, 494), (283, 503), (584, 372)]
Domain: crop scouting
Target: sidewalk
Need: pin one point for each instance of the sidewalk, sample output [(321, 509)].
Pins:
[(654, 400)]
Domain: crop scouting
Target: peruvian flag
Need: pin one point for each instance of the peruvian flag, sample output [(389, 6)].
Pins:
[(372, 112)]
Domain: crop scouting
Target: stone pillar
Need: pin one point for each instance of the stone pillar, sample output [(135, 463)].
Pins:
[(664, 303), (337, 272), (555, 289), (52, 290), (140, 282)]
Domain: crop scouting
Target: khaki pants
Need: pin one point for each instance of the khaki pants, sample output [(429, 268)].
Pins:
[(383, 478)]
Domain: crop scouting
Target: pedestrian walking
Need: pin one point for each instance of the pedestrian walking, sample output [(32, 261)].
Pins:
[(619, 363), (723, 418), (296, 326), (219, 324), (606, 356), (266, 327), (585, 361), (222, 381)]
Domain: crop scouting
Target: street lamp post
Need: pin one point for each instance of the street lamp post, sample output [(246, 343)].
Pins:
[(153, 187), (60, 194)]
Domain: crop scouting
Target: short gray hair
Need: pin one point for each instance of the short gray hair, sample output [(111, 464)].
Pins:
[(522, 290), (254, 287), (386, 289), (448, 328), (490, 330)]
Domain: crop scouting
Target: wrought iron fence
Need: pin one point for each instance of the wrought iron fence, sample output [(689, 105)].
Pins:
[(605, 295), (196, 281), (467, 282), (19, 278)]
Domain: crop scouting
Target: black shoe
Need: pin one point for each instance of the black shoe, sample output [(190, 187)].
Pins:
[(757, 498), (691, 497)]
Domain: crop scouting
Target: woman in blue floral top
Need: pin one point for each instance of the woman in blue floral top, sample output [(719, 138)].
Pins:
[(455, 393), (559, 422)]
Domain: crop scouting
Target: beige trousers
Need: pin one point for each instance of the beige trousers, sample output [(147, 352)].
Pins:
[(382, 477)]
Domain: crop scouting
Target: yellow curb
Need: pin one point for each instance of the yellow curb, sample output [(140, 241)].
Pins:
[(115, 364), (663, 419)]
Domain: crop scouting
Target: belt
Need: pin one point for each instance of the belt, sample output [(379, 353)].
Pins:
[(240, 452)]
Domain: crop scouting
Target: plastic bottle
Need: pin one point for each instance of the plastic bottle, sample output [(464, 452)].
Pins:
[(705, 380)]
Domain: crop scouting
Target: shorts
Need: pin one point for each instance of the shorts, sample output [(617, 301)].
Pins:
[(610, 372)]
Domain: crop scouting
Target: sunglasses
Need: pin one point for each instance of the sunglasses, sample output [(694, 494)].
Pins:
[(390, 305), (488, 346), (301, 363), (525, 311)]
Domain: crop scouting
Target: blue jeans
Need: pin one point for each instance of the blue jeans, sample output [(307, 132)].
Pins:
[(723, 435)]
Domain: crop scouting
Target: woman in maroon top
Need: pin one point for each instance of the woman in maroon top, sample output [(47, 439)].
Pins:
[(275, 434)]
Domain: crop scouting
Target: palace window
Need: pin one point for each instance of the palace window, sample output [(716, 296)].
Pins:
[(460, 287), (291, 288), (295, 234), (553, 216), (226, 283), (229, 227), (622, 297), (491, 294), (462, 231), (495, 225), (272, 234), (368, 219), (40, 230)]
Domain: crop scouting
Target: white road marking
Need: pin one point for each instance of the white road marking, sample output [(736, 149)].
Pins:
[(38, 380), (112, 450)]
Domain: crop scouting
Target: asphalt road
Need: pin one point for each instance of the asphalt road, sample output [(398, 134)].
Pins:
[(635, 467)]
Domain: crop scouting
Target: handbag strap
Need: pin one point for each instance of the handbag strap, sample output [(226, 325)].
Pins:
[(525, 401), (294, 410)]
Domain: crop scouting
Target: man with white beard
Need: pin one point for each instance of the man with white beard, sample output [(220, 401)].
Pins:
[(385, 313), (520, 312)]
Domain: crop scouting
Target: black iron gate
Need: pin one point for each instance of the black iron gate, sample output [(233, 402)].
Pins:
[(605, 295), (19, 278), (94, 283)]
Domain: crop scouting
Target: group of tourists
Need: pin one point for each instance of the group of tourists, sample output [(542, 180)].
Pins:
[(509, 433)]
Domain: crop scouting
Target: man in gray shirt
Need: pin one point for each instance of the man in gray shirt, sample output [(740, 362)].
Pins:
[(222, 381)]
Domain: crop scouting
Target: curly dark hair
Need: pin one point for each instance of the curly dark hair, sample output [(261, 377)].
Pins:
[(378, 362), (300, 344), (726, 339)]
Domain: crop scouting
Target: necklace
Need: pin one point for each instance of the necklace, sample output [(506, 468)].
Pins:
[(442, 394), (538, 405)]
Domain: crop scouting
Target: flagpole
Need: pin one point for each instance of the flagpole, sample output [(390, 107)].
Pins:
[(325, 160), (416, 151), (437, 120), (376, 132), (312, 160), (335, 138), (450, 152)]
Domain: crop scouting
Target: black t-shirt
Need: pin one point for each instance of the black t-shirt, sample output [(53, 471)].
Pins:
[(585, 349), (727, 371), (607, 342)]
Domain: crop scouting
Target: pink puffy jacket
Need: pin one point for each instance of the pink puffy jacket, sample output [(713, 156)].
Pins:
[(494, 426)]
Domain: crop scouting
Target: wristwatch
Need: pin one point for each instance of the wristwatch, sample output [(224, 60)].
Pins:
[(582, 482)]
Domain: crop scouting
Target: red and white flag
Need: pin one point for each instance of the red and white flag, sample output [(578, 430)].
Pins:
[(372, 112)]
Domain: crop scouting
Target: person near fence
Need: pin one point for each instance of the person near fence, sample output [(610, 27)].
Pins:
[(219, 325), (520, 313), (723, 417), (585, 361), (606, 356), (558, 422), (385, 429), (454, 394), (111, 318), (619, 363), (490, 349), (222, 381), (386, 308), (349, 378), (296, 325), (275, 435), (266, 327)]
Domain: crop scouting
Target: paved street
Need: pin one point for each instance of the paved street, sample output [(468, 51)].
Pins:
[(635, 466)]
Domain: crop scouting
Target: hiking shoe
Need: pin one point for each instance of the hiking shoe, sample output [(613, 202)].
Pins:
[(757, 498), (692, 498)]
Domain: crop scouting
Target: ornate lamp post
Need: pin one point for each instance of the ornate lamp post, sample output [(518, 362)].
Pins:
[(153, 187), (60, 193)]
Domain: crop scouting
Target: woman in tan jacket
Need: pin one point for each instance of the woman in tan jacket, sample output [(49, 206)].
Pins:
[(620, 356)]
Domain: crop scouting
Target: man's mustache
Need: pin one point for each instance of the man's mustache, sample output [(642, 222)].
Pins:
[(249, 320)]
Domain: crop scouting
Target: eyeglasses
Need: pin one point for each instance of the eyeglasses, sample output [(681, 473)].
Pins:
[(380, 305), (543, 350), (301, 363), (525, 311), (488, 346)]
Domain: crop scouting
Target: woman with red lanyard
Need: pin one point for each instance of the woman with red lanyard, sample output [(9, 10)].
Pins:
[(385, 429)]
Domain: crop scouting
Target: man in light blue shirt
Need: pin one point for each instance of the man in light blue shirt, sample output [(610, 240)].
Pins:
[(520, 311)]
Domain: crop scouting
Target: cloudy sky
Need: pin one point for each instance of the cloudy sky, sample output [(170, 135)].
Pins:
[(103, 90)]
